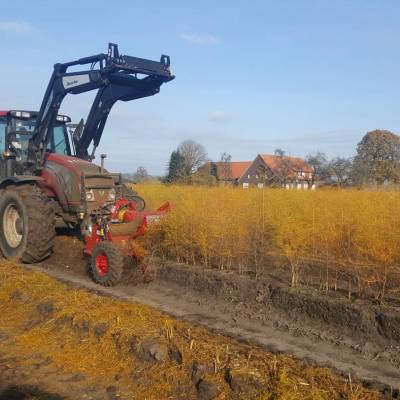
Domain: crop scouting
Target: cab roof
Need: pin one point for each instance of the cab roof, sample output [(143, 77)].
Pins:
[(4, 113)]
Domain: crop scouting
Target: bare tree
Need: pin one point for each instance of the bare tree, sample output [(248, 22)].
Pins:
[(194, 155), (340, 170), (226, 166), (279, 152), (319, 161), (141, 175), (285, 171)]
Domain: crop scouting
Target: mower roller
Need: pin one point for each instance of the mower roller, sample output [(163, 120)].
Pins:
[(49, 180)]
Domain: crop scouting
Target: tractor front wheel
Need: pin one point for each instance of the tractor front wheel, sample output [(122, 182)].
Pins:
[(106, 264), (26, 224)]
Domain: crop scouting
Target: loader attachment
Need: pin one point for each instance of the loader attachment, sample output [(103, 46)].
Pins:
[(131, 77)]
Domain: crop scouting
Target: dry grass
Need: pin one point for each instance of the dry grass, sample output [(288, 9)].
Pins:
[(68, 337), (346, 237)]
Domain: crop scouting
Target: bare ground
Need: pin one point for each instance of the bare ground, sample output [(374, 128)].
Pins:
[(356, 339)]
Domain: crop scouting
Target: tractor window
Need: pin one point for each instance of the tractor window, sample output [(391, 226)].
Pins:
[(59, 141), (3, 124), (23, 129)]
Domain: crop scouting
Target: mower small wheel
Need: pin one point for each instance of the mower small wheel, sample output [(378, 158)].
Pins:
[(140, 203), (106, 264), (128, 194)]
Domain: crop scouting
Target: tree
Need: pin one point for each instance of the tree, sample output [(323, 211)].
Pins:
[(279, 152), (340, 169), (226, 166), (285, 170), (141, 175), (378, 158), (319, 161), (176, 168), (194, 155), (202, 178), (266, 176)]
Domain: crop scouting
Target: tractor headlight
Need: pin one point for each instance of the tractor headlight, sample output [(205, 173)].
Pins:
[(89, 195), (111, 195)]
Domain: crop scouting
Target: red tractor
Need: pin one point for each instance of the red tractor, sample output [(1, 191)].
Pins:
[(48, 180)]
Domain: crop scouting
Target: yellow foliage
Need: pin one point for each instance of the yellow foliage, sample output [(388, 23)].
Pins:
[(350, 235)]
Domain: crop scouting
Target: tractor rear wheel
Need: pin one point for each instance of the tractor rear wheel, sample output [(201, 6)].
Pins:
[(26, 224), (106, 264)]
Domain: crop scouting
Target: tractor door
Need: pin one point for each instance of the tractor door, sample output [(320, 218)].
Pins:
[(3, 126)]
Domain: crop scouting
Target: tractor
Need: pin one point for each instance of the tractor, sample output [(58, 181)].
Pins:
[(49, 180)]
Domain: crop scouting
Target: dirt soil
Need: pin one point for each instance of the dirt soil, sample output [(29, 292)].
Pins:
[(61, 341), (357, 338)]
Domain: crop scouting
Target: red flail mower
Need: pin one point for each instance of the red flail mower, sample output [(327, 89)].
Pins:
[(108, 245)]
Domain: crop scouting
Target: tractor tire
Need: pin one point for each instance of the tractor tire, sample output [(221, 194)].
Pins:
[(129, 194), (106, 264), (26, 224)]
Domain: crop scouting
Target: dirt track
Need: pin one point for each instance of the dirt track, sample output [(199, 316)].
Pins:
[(202, 297)]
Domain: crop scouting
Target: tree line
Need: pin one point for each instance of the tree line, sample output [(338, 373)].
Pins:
[(376, 162)]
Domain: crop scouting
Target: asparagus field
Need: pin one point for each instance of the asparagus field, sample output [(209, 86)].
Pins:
[(346, 240)]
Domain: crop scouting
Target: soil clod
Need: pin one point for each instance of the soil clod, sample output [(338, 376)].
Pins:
[(154, 350), (175, 354), (100, 330), (207, 390), (199, 370), (46, 309), (243, 382)]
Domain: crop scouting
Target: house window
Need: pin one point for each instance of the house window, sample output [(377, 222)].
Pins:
[(256, 176), (245, 185), (260, 185), (301, 174), (248, 176)]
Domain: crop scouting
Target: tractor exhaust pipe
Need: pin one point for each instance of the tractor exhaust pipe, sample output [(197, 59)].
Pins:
[(102, 156)]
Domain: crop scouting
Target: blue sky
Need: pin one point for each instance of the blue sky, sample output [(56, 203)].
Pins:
[(251, 76)]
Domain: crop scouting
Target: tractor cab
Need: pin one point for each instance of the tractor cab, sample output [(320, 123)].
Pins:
[(16, 129)]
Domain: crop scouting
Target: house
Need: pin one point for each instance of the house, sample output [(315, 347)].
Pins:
[(276, 170), (226, 172)]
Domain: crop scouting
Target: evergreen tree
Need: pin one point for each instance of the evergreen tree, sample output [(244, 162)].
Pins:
[(176, 168)]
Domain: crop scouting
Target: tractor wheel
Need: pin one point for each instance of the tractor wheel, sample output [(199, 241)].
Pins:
[(129, 194), (26, 224), (106, 264)]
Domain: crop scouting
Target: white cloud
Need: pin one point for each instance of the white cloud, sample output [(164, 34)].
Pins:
[(15, 27), (221, 116), (200, 39)]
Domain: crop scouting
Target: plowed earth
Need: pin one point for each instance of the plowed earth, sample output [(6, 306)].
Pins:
[(77, 340)]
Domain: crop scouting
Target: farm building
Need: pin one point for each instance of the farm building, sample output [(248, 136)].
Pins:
[(228, 173), (275, 170), (265, 170)]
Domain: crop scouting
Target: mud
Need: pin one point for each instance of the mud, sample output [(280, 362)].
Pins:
[(23, 378), (353, 337), (331, 313)]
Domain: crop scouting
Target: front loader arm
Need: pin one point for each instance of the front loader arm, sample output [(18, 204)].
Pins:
[(113, 69), (126, 88), (61, 83)]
